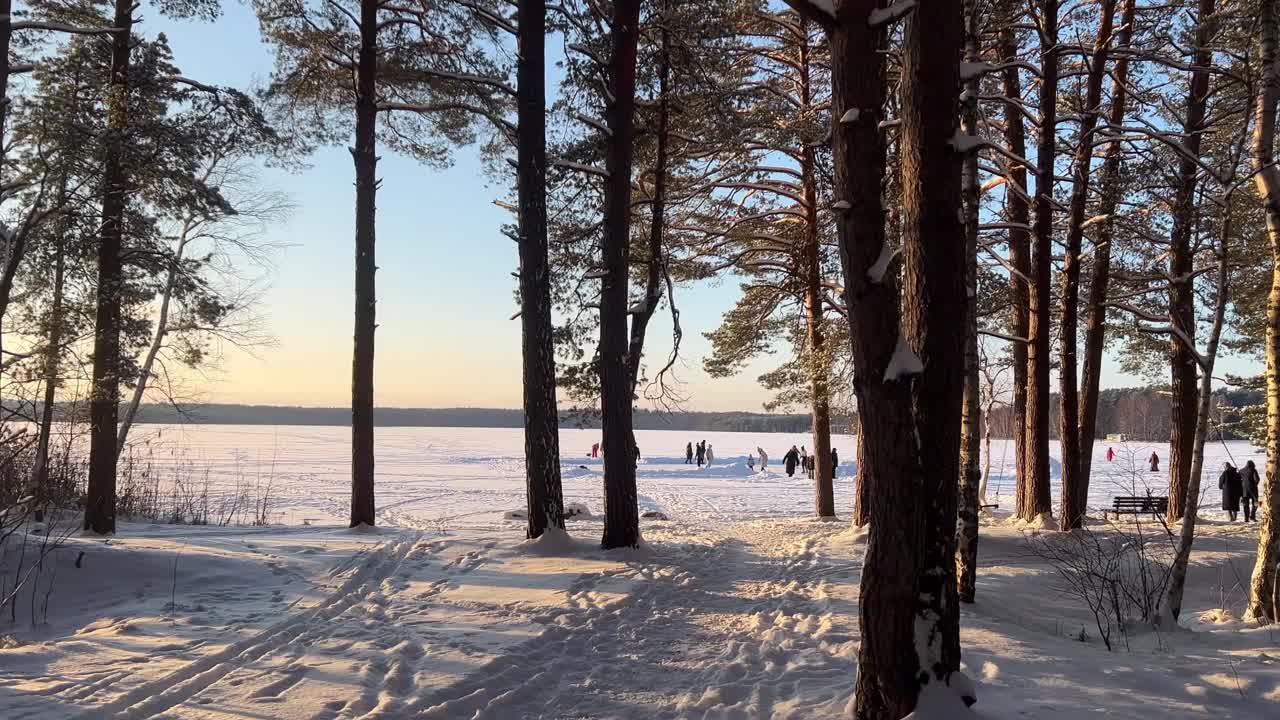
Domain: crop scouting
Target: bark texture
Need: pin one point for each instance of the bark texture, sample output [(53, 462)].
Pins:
[(545, 497), (100, 502), (971, 413), (621, 516), (1018, 214), (1075, 483), (366, 162), (1264, 603), (1182, 300), (1034, 487), (1100, 270)]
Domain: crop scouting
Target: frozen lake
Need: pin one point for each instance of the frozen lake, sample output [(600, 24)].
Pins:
[(449, 477)]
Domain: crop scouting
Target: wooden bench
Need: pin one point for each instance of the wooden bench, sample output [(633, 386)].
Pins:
[(1140, 505)]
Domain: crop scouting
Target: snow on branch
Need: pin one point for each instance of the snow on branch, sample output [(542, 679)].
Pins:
[(596, 273), (895, 12), (592, 122), (1142, 317), (589, 53), (904, 362), (876, 272), (850, 116), (1002, 336), (447, 107), (580, 167)]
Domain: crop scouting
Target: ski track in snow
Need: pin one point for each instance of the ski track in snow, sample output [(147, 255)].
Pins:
[(732, 610)]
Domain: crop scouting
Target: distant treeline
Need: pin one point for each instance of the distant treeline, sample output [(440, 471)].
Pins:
[(1143, 413), (229, 414)]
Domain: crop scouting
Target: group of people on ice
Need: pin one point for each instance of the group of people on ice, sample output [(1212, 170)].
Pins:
[(1240, 486), (702, 454), (795, 458), (807, 462)]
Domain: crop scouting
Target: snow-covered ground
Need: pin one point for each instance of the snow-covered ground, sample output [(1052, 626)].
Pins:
[(738, 606)]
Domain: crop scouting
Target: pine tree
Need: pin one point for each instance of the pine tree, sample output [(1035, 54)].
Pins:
[(411, 76)]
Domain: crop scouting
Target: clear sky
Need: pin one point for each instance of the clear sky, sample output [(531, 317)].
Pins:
[(444, 285)]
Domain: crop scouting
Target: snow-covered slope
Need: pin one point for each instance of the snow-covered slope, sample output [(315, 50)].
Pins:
[(739, 606)]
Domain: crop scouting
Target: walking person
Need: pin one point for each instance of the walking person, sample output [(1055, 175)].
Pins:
[(751, 462), (595, 450), (1155, 462), (1111, 455), (790, 460), (711, 455), (702, 453), (764, 458), (804, 458), (1230, 485), (688, 454), (1249, 480), (835, 462)]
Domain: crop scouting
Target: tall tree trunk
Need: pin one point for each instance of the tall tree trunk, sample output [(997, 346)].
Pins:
[(621, 515), (887, 682), (1100, 271), (1036, 499), (861, 482), (1264, 605), (1182, 300), (157, 341), (971, 413), (541, 419), (819, 395), (657, 220), (933, 315), (1018, 214), (1075, 484), (366, 162), (52, 356), (1171, 606), (100, 503)]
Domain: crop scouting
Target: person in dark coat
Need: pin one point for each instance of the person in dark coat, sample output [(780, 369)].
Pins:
[(835, 462), (1231, 487), (790, 460), (702, 453), (688, 454), (1249, 482), (1155, 462)]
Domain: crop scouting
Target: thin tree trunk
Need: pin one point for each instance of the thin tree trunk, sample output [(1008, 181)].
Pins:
[(157, 341), (657, 220), (1036, 499), (52, 356), (933, 316), (1017, 212), (819, 396), (861, 483), (621, 515), (1100, 272), (1263, 589), (366, 162), (100, 502), (1171, 607), (541, 419), (971, 413), (1182, 362), (1075, 484)]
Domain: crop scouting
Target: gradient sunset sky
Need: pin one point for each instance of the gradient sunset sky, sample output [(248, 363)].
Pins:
[(444, 285)]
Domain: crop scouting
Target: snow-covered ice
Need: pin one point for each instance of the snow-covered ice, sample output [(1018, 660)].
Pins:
[(737, 606)]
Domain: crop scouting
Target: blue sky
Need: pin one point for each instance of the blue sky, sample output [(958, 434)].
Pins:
[(444, 285)]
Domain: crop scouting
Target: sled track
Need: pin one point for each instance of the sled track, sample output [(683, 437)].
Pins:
[(160, 695)]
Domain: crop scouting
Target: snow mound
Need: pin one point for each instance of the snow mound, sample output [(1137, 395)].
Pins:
[(654, 515), (515, 515), (945, 701), (577, 510)]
